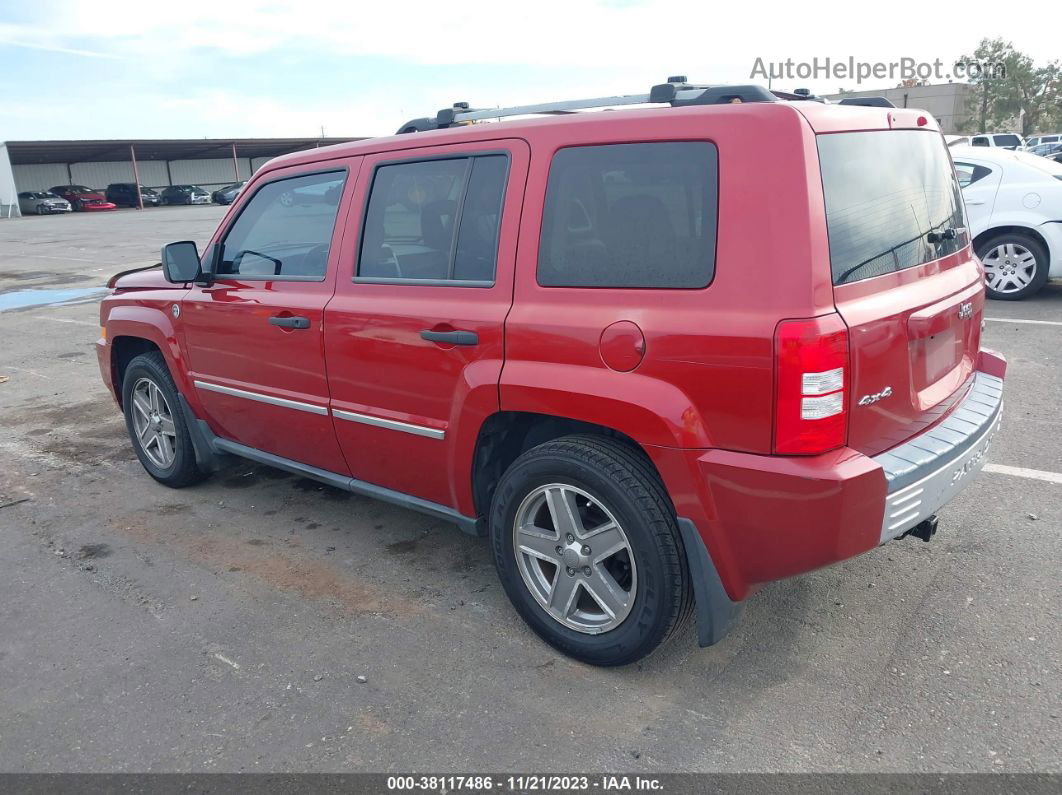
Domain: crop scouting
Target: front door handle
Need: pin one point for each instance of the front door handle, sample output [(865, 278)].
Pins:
[(293, 321), (450, 337)]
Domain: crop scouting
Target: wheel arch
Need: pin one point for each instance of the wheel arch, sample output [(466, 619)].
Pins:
[(133, 329), (1013, 229), (124, 349), (505, 435)]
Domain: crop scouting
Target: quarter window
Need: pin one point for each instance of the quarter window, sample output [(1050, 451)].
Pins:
[(630, 215), (968, 173), (285, 230), (434, 221)]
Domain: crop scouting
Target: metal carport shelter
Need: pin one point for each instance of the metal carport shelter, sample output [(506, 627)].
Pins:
[(210, 162)]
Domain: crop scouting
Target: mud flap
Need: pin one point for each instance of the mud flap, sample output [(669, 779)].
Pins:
[(716, 612)]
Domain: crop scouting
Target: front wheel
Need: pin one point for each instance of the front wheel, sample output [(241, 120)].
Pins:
[(1016, 266), (155, 423), (587, 548)]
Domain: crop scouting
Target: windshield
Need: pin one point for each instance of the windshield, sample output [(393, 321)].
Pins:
[(885, 193)]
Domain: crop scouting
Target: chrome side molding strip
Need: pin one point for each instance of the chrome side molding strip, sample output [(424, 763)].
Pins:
[(259, 397), (394, 425)]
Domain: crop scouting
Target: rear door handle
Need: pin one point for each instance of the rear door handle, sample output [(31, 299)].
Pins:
[(450, 337), (290, 321)]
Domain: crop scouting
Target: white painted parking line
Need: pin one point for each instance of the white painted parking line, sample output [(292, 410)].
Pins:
[(1022, 472), (66, 320), (1031, 322)]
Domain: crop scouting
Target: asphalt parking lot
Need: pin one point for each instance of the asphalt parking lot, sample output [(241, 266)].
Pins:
[(226, 627)]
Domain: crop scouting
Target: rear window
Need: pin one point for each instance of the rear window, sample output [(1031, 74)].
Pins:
[(1007, 140), (885, 193), (630, 215)]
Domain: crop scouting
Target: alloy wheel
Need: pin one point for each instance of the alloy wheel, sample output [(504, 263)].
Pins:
[(153, 423), (575, 558)]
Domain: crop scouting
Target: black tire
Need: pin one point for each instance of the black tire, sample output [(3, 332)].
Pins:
[(183, 470), (622, 480), (986, 248)]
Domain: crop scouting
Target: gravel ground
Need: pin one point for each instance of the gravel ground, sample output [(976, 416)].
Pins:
[(264, 622)]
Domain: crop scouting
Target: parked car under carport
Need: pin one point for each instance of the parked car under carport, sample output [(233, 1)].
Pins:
[(35, 202)]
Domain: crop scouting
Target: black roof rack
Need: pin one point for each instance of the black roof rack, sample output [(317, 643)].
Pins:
[(867, 102), (676, 92)]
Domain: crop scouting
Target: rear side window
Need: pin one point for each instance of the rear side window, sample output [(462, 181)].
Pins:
[(1007, 140), (968, 173), (630, 215), (886, 192), (285, 230), (979, 140), (434, 221)]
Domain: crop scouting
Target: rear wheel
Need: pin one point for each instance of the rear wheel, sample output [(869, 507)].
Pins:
[(588, 551), (1015, 266), (155, 423)]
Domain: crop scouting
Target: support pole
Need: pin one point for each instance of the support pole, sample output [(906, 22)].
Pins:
[(136, 178), (235, 163)]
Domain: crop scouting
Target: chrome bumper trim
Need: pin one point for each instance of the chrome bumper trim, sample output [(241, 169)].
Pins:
[(927, 471)]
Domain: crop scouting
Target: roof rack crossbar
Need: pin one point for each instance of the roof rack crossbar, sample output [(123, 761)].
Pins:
[(674, 93)]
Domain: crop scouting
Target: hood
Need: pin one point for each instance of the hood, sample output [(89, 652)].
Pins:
[(149, 278), (90, 195)]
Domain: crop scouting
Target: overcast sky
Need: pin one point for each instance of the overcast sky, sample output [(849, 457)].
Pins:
[(114, 69)]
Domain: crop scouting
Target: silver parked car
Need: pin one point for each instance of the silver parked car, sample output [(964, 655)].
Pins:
[(37, 202)]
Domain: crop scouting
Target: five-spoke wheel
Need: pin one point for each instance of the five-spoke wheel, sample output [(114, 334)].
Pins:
[(575, 558), (588, 550), (153, 422)]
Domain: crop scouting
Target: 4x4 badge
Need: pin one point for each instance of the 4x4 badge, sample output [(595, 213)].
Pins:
[(965, 310), (866, 400)]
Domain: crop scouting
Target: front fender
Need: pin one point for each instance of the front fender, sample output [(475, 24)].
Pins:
[(605, 397), (154, 324)]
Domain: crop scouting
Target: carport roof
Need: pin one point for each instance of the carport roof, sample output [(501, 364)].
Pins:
[(26, 152)]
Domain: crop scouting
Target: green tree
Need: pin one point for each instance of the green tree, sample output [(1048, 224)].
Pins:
[(1011, 88)]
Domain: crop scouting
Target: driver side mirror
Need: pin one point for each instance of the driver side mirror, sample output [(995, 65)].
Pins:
[(180, 262)]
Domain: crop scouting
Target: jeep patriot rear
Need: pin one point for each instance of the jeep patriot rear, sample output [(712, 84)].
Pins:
[(660, 356)]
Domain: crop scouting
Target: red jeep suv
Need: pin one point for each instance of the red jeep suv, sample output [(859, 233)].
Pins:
[(661, 356)]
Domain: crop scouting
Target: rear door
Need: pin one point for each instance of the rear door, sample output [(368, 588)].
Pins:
[(415, 334), (255, 337), (980, 182), (905, 279)]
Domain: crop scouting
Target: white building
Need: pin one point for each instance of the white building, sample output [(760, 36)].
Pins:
[(209, 163)]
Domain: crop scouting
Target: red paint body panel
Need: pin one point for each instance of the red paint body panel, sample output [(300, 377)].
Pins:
[(688, 374), (905, 333), (230, 342), (379, 366)]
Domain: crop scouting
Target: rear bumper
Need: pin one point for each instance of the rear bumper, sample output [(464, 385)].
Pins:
[(764, 518), (925, 472)]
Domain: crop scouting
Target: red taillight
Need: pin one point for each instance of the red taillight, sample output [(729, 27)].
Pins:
[(811, 385)]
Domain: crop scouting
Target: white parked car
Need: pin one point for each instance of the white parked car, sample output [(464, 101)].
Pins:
[(1014, 207), (1036, 140), (1001, 140)]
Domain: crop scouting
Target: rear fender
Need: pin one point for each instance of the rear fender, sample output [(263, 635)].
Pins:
[(605, 397)]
